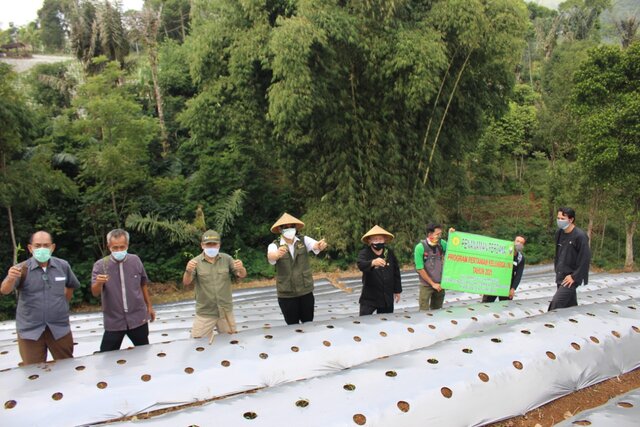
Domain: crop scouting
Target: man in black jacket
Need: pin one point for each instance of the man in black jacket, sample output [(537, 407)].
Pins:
[(572, 259), (516, 273), (381, 283)]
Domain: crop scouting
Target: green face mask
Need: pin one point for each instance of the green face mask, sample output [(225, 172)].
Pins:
[(42, 254)]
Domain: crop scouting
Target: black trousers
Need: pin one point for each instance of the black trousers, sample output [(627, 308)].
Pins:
[(112, 340), (492, 298), (366, 309), (564, 298), (297, 309)]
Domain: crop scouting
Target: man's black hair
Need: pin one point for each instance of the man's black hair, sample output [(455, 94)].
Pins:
[(569, 212), (432, 227)]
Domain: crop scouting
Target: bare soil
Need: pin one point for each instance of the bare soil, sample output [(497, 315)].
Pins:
[(574, 403)]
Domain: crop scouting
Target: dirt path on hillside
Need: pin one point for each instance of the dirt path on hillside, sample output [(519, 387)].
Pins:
[(574, 403)]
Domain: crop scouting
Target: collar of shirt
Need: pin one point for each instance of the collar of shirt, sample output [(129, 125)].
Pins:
[(284, 242), (32, 264), (111, 258), (215, 259)]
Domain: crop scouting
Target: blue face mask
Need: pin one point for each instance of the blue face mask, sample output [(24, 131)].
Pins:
[(563, 223), (42, 254), (119, 255), (211, 252)]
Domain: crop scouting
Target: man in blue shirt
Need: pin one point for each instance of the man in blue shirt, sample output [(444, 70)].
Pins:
[(45, 286)]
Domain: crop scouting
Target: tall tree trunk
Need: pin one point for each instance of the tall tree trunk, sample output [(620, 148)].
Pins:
[(12, 232), (630, 230), (14, 244), (444, 116), (604, 227), (433, 110), (182, 30), (151, 25), (593, 208)]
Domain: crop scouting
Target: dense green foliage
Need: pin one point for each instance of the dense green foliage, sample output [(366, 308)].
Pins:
[(223, 114)]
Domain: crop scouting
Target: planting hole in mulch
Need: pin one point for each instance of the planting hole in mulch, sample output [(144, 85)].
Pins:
[(302, 403), (250, 415), (403, 406), (359, 419)]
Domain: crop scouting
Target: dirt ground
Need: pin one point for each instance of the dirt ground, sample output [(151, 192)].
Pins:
[(574, 403)]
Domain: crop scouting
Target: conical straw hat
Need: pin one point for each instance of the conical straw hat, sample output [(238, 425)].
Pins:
[(376, 231), (286, 219)]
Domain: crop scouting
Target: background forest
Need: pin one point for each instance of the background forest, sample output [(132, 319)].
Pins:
[(193, 114)]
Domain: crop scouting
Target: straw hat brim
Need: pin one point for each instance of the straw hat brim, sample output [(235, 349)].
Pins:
[(286, 219), (377, 231)]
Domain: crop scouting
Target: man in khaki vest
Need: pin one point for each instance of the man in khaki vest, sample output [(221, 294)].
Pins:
[(211, 272), (294, 279)]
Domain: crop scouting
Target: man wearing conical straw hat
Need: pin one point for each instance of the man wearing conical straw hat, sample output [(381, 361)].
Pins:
[(381, 283), (294, 280)]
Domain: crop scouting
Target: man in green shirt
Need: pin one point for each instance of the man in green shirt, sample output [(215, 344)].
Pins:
[(211, 273), (429, 261)]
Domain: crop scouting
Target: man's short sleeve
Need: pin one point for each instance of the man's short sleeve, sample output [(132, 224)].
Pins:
[(95, 271), (418, 256), (72, 280), (232, 269), (144, 279)]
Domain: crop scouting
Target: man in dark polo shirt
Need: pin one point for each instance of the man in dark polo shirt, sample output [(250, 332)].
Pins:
[(572, 260), (45, 285), (126, 305)]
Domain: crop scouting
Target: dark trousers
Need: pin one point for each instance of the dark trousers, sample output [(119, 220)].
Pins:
[(297, 309), (564, 298), (492, 298), (35, 351), (366, 309), (112, 340)]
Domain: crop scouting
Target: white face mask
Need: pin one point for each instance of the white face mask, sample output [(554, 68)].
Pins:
[(211, 252), (289, 233)]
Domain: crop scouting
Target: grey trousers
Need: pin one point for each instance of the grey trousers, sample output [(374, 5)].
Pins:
[(564, 298)]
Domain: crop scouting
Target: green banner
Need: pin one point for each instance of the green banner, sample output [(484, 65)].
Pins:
[(477, 264)]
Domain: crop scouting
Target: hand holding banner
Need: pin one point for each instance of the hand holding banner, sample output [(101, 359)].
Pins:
[(478, 264)]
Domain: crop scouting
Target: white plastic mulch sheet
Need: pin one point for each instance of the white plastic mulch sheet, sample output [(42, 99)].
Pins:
[(257, 308), (470, 380), (288, 362), (621, 411)]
